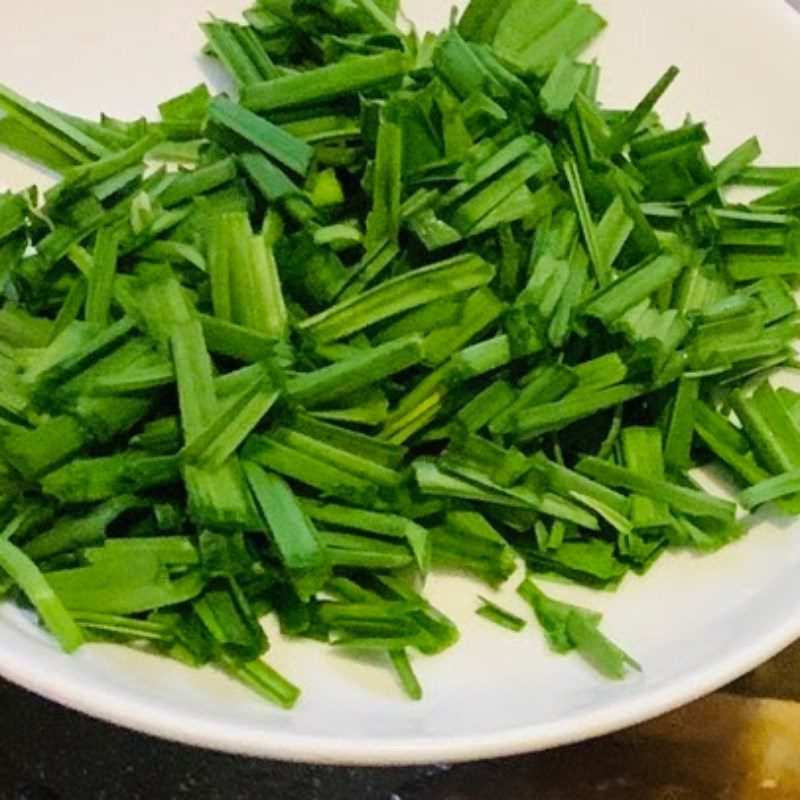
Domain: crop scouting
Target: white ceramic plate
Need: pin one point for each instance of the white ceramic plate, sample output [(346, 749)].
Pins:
[(694, 623)]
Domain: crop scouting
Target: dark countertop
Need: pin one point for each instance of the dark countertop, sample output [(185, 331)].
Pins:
[(732, 744), (51, 753)]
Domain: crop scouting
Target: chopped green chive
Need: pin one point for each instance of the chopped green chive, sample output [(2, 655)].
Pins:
[(101, 281), (295, 537), (394, 304), (570, 628), (348, 77), (400, 294), (39, 591), (494, 613), (272, 140)]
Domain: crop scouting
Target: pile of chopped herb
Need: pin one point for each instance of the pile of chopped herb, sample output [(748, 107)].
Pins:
[(392, 303)]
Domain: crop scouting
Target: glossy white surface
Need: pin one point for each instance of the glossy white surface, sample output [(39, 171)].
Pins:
[(694, 623)]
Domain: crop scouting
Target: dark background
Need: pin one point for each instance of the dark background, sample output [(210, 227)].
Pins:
[(51, 753)]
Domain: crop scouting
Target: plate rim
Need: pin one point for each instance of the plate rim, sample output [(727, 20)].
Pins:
[(102, 702)]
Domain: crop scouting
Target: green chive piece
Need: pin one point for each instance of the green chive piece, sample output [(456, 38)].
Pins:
[(293, 534), (38, 589), (400, 294), (101, 282), (499, 616), (569, 628), (356, 74), (272, 140), (402, 665)]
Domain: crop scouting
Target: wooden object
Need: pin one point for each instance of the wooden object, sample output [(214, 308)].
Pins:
[(726, 747)]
